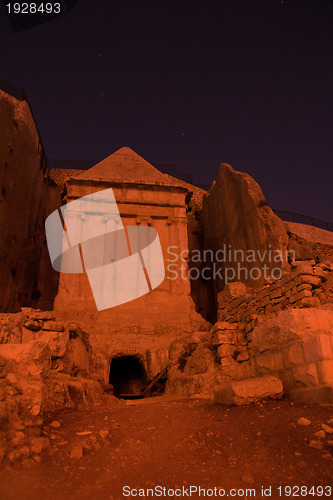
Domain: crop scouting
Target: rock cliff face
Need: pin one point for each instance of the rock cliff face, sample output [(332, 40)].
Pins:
[(27, 196), (237, 219), (45, 365)]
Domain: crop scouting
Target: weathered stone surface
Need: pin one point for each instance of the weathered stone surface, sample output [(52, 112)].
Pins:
[(269, 362), (223, 325), (249, 391), (28, 335), (325, 371), (236, 213), (290, 325), (306, 374), (153, 199), (30, 384), (25, 353), (293, 354), (228, 337), (225, 351), (299, 296), (187, 386), (200, 361), (318, 347), (232, 290), (32, 324), (314, 395), (57, 342), (79, 357), (26, 197), (54, 326)]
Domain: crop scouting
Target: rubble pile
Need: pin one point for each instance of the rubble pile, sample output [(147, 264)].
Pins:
[(45, 365)]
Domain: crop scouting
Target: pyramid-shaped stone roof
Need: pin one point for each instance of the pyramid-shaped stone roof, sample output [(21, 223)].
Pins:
[(125, 166)]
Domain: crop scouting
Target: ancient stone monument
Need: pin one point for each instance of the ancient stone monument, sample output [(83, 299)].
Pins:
[(244, 312)]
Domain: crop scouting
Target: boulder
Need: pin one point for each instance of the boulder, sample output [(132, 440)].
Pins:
[(249, 391), (237, 216), (200, 361), (289, 325)]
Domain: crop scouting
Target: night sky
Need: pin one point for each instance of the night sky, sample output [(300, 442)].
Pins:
[(194, 83)]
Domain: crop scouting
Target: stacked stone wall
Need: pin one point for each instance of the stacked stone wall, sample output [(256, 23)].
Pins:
[(304, 286)]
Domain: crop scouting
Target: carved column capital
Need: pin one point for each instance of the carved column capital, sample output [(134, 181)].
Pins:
[(144, 221)]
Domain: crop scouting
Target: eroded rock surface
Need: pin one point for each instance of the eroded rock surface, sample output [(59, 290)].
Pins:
[(27, 196), (48, 367)]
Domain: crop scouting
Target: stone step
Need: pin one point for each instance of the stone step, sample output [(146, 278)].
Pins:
[(248, 391)]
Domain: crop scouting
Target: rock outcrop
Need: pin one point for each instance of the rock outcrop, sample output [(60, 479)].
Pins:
[(27, 196), (237, 218), (45, 366), (249, 391)]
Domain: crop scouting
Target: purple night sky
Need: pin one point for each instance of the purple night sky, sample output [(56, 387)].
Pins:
[(195, 83)]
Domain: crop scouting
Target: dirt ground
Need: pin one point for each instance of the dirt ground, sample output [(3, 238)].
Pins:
[(175, 444)]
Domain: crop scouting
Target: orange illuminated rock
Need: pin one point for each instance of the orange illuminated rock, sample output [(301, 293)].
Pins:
[(144, 197), (26, 198), (237, 217), (249, 391)]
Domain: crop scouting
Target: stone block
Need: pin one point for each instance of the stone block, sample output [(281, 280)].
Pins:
[(304, 286), (291, 324), (319, 271), (263, 302), (276, 293), (278, 361), (229, 337), (287, 379), (308, 302), (92, 391), (224, 325), (28, 335), (231, 290), (289, 286), (314, 281), (43, 315), (53, 326), (265, 362), (26, 353), (278, 300), (225, 350), (57, 342), (249, 391), (293, 354), (79, 356), (302, 269), (33, 325), (325, 371), (306, 374), (299, 295), (317, 348), (322, 394), (297, 263), (242, 356)]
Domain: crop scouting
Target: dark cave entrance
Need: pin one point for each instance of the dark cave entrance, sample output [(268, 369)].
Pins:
[(127, 375)]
